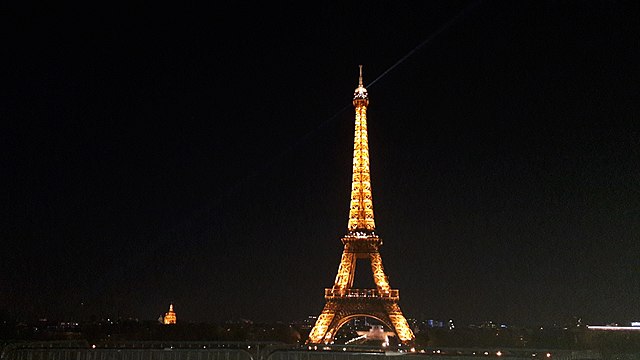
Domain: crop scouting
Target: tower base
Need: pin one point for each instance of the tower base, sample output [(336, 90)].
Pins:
[(343, 307)]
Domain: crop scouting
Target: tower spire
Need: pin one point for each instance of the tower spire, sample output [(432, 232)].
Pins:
[(361, 206)]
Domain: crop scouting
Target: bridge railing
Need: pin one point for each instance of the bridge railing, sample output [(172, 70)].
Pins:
[(128, 354), (184, 350), (361, 293)]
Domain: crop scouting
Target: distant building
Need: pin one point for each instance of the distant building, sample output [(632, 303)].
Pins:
[(170, 316)]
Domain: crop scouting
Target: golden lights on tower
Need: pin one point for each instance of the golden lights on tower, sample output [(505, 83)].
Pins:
[(343, 302), (361, 209)]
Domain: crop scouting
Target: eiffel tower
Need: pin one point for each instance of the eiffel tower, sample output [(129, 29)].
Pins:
[(343, 302)]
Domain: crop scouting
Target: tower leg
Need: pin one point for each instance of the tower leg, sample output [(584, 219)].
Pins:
[(400, 324), (378, 272), (346, 271), (319, 332)]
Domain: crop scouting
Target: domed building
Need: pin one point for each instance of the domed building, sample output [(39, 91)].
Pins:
[(170, 316)]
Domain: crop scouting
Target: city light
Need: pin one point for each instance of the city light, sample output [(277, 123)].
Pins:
[(169, 317), (614, 328)]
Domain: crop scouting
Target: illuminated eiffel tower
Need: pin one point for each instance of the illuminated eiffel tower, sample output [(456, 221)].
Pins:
[(343, 303)]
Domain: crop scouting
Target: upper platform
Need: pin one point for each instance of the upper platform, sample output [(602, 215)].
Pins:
[(362, 293)]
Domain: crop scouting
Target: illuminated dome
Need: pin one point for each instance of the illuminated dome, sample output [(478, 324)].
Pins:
[(170, 316)]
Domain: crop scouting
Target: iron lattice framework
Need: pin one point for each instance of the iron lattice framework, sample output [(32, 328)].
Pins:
[(344, 303)]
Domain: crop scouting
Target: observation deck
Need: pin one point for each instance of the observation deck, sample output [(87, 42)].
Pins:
[(330, 293)]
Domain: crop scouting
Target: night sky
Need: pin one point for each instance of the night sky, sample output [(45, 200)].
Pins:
[(202, 156)]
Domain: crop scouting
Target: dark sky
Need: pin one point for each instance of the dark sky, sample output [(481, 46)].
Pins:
[(203, 156)]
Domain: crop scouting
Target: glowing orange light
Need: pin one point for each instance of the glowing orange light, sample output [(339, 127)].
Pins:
[(170, 316), (360, 242)]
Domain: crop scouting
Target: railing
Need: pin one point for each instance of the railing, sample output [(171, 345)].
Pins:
[(361, 293), (138, 350), (247, 351)]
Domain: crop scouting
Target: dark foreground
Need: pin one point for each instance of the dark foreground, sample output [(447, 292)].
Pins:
[(199, 350)]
